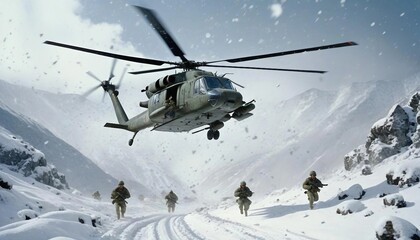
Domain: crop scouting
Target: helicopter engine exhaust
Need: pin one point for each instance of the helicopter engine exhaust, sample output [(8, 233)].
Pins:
[(160, 84)]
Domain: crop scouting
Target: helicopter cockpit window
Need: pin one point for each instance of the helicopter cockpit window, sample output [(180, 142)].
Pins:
[(218, 82), (199, 87), (156, 98)]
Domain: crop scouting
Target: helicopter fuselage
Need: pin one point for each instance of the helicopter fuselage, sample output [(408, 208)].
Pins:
[(191, 100)]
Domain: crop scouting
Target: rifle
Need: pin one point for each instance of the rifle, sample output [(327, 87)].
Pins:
[(119, 195)]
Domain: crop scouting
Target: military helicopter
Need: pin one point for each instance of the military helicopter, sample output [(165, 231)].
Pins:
[(188, 100)]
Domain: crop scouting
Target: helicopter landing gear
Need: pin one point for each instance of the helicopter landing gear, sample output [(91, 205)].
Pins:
[(130, 142), (212, 134)]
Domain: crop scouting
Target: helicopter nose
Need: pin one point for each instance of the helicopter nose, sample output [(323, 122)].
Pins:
[(225, 99)]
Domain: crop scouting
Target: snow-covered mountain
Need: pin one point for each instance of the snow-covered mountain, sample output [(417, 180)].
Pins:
[(353, 205), (313, 130), (73, 120), (283, 214)]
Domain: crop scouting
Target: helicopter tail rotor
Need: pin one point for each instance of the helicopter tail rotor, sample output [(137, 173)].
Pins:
[(106, 84)]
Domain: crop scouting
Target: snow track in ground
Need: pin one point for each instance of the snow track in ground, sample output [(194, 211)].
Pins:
[(195, 226)]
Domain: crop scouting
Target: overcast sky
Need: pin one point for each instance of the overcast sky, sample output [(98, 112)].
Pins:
[(388, 34)]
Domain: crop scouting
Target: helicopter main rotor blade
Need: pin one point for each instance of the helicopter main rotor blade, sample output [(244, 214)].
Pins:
[(277, 54), (111, 73), (271, 69), (112, 55), (153, 70), (121, 78), (91, 90), (93, 76), (161, 30)]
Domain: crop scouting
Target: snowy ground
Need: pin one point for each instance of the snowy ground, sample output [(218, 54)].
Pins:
[(284, 214)]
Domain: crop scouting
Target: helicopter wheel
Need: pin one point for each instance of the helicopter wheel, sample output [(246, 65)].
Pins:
[(216, 135), (130, 142), (210, 134)]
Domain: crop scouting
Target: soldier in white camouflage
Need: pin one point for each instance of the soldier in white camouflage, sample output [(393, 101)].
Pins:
[(118, 197), (312, 186), (243, 192)]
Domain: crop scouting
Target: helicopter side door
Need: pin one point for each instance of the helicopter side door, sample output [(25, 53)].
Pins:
[(163, 104)]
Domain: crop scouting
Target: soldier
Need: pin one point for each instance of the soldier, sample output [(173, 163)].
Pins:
[(312, 185), (119, 195), (243, 193), (96, 195), (171, 200)]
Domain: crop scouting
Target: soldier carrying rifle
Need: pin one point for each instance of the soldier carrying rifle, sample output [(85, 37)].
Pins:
[(118, 197), (312, 186)]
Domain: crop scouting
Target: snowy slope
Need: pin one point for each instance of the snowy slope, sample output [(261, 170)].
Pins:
[(79, 122), (284, 214), (78, 169), (312, 130)]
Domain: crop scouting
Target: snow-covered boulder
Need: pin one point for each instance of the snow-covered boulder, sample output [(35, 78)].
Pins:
[(355, 192), (389, 135), (405, 174), (26, 214), (5, 184), (394, 200), (396, 228), (366, 170), (22, 157), (349, 207), (70, 215)]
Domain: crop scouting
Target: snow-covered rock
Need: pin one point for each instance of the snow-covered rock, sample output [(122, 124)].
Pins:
[(394, 200), (26, 214), (387, 136), (396, 228), (349, 207), (355, 192), (22, 157), (406, 174)]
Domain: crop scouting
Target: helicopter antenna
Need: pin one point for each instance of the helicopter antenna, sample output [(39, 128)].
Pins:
[(237, 84)]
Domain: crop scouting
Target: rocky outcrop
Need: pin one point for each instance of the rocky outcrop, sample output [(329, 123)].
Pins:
[(388, 136), (21, 157)]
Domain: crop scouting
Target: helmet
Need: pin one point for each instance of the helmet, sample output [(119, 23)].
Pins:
[(121, 183), (312, 173), (243, 183)]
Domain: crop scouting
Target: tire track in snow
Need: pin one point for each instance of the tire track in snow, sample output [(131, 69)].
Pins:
[(232, 230), (127, 228), (196, 226), (159, 227), (185, 229)]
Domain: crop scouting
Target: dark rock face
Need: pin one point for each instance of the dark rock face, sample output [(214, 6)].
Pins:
[(392, 133), (27, 160), (388, 136)]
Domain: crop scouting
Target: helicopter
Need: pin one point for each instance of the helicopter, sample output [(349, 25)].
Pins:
[(188, 100)]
